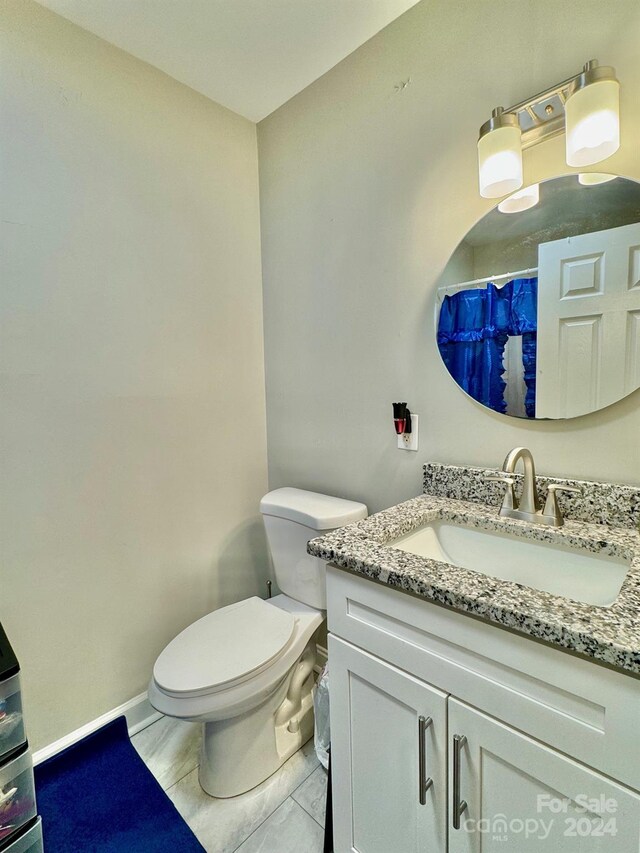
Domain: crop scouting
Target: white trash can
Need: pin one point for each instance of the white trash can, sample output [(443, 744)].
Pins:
[(322, 728)]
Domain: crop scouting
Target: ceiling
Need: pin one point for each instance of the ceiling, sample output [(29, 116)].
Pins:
[(249, 55)]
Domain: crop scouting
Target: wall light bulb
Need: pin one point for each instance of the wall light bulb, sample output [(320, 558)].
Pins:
[(592, 179), (500, 156), (522, 200), (592, 114)]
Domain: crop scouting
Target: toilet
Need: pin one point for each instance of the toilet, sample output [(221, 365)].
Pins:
[(247, 670)]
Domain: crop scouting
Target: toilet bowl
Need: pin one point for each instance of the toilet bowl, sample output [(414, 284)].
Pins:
[(246, 671)]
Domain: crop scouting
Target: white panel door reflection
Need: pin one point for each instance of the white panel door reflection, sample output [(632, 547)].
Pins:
[(588, 351)]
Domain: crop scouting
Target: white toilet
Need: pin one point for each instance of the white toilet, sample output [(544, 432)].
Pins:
[(246, 670)]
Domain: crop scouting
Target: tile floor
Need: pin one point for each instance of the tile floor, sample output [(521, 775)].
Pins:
[(283, 815)]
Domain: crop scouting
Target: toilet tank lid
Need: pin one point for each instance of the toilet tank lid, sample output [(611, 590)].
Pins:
[(319, 512)]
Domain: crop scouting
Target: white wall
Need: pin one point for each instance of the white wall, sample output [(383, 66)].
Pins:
[(366, 190), (132, 413)]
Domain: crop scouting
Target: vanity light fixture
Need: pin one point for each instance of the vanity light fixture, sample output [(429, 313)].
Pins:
[(586, 107), (522, 200)]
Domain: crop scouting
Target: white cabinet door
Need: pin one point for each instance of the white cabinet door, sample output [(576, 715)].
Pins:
[(523, 796), (375, 757), (588, 352)]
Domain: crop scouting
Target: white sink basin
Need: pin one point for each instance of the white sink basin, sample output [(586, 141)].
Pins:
[(549, 567)]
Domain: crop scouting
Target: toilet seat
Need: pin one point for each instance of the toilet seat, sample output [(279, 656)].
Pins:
[(224, 648), (247, 692)]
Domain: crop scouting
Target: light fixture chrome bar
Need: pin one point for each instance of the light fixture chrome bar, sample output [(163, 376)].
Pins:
[(544, 130), (546, 93)]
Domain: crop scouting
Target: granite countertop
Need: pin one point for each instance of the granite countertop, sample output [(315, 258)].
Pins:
[(610, 635)]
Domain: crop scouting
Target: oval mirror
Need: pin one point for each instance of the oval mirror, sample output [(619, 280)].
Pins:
[(538, 309)]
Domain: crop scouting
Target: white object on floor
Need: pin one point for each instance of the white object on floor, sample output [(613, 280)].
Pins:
[(246, 671), (322, 727)]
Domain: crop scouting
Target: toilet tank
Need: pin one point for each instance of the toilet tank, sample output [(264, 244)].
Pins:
[(291, 518)]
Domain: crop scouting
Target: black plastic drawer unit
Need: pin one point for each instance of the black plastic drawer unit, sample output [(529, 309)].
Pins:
[(12, 733), (20, 829), (28, 841), (17, 794)]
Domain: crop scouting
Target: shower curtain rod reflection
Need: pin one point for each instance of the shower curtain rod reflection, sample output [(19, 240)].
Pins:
[(482, 282)]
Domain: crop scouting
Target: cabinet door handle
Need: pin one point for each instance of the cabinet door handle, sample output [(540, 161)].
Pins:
[(424, 781), (459, 806)]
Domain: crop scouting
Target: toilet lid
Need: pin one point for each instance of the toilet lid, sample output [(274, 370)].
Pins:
[(225, 647)]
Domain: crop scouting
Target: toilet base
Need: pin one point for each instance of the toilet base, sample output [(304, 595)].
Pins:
[(241, 752)]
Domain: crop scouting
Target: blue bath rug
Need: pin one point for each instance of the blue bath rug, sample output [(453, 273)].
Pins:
[(99, 797)]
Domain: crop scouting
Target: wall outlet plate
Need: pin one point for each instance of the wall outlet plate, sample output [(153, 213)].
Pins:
[(410, 442)]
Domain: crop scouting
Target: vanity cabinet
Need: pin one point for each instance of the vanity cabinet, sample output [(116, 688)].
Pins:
[(388, 756), (540, 745), (522, 795)]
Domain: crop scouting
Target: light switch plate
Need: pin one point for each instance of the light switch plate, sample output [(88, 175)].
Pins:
[(410, 442)]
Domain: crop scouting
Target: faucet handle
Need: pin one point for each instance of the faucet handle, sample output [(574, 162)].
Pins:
[(551, 508), (560, 487), (509, 502)]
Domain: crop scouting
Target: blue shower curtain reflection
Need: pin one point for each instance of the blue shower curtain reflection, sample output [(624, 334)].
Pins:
[(473, 329)]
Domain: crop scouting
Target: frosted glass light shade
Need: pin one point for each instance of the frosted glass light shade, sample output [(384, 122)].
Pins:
[(592, 179), (592, 117), (500, 162), (522, 200)]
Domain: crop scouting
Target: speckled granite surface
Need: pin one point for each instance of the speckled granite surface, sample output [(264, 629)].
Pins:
[(607, 634), (599, 503)]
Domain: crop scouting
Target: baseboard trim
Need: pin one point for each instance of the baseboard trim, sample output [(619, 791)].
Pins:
[(139, 715)]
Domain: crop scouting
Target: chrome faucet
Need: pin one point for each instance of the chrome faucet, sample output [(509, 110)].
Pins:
[(528, 507)]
